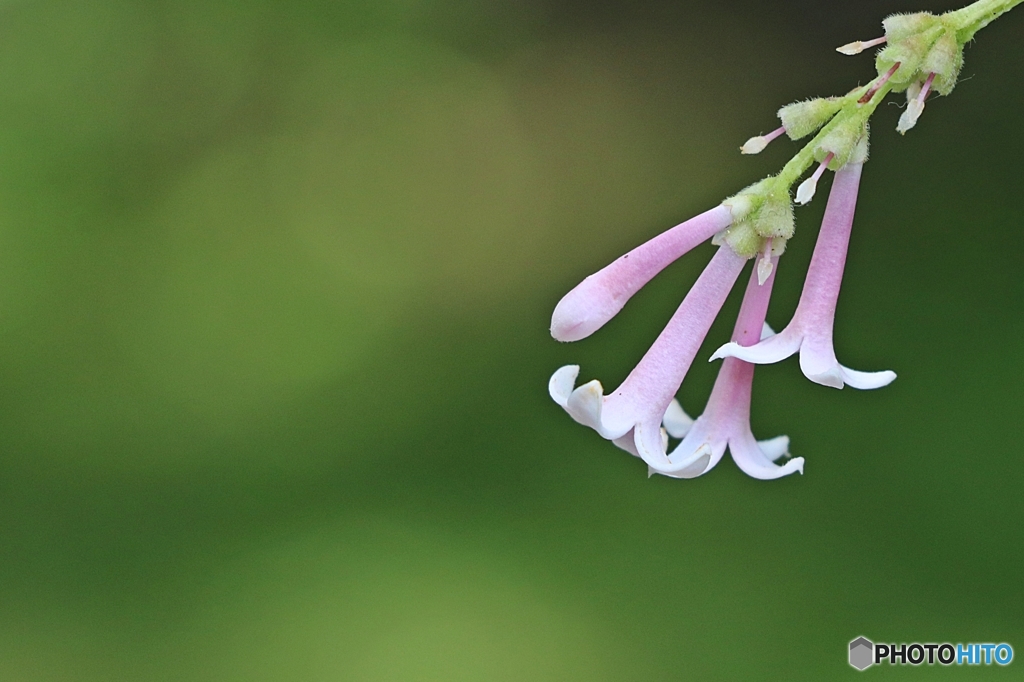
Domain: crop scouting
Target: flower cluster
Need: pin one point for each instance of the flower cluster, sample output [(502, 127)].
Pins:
[(922, 53), (642, 412)]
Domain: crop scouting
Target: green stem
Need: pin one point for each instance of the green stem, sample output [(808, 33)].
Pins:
[(976, 16), (851, 110)]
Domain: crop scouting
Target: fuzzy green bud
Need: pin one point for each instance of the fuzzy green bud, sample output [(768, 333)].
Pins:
[(900, 26), (803, 118)]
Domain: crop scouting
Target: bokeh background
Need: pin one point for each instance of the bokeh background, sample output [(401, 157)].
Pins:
[(275, 282)]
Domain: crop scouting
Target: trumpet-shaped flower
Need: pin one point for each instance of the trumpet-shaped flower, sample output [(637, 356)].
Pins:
[(641, 402), (726, 419), (601, 296), (810, 330)]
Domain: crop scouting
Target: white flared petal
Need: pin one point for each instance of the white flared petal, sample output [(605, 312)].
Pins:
[(831, 376), (695, 455), (766, 331), (626, 443), (774, 448), (756, 464), (584, 404), (867, 380), (818, 362), (772, 349), (694, 468), (676, 422), (561, 383), (651, 442)]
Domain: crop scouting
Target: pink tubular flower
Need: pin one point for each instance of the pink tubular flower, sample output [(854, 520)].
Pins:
[(640, 403), (810, 330), (599, 297), (726, 419)]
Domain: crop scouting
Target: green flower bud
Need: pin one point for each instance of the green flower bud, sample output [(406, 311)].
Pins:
[(803, 118), (900, 26)]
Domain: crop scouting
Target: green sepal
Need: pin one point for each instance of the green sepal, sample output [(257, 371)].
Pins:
[(910, 52), (945, 60), (763, 210), (843, 142)]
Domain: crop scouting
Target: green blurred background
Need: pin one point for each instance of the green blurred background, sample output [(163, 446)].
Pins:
[(275, 282)]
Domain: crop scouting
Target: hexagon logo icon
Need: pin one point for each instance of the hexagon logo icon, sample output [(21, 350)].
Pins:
[(861, 653)]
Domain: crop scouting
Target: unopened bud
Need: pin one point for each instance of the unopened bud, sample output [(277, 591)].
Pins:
[(803, 118), (754, 145), (858, 46)]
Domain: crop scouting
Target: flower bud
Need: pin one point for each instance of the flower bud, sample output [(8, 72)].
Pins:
[(900, 26), (803, 118)]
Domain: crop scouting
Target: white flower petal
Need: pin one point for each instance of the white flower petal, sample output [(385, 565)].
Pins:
[(774, 448), (561, 383), (695, 468), (867, 380), (584, 404), (831, 377), (651, 441), (626, 443), (756, 464), (696, 454), (766, 331), (818, 362), (676, 422), (773, 349)]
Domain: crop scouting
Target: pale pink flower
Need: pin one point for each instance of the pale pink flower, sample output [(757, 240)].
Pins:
[(726, 419), (640, 403), (810, 330), (600, 296)]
